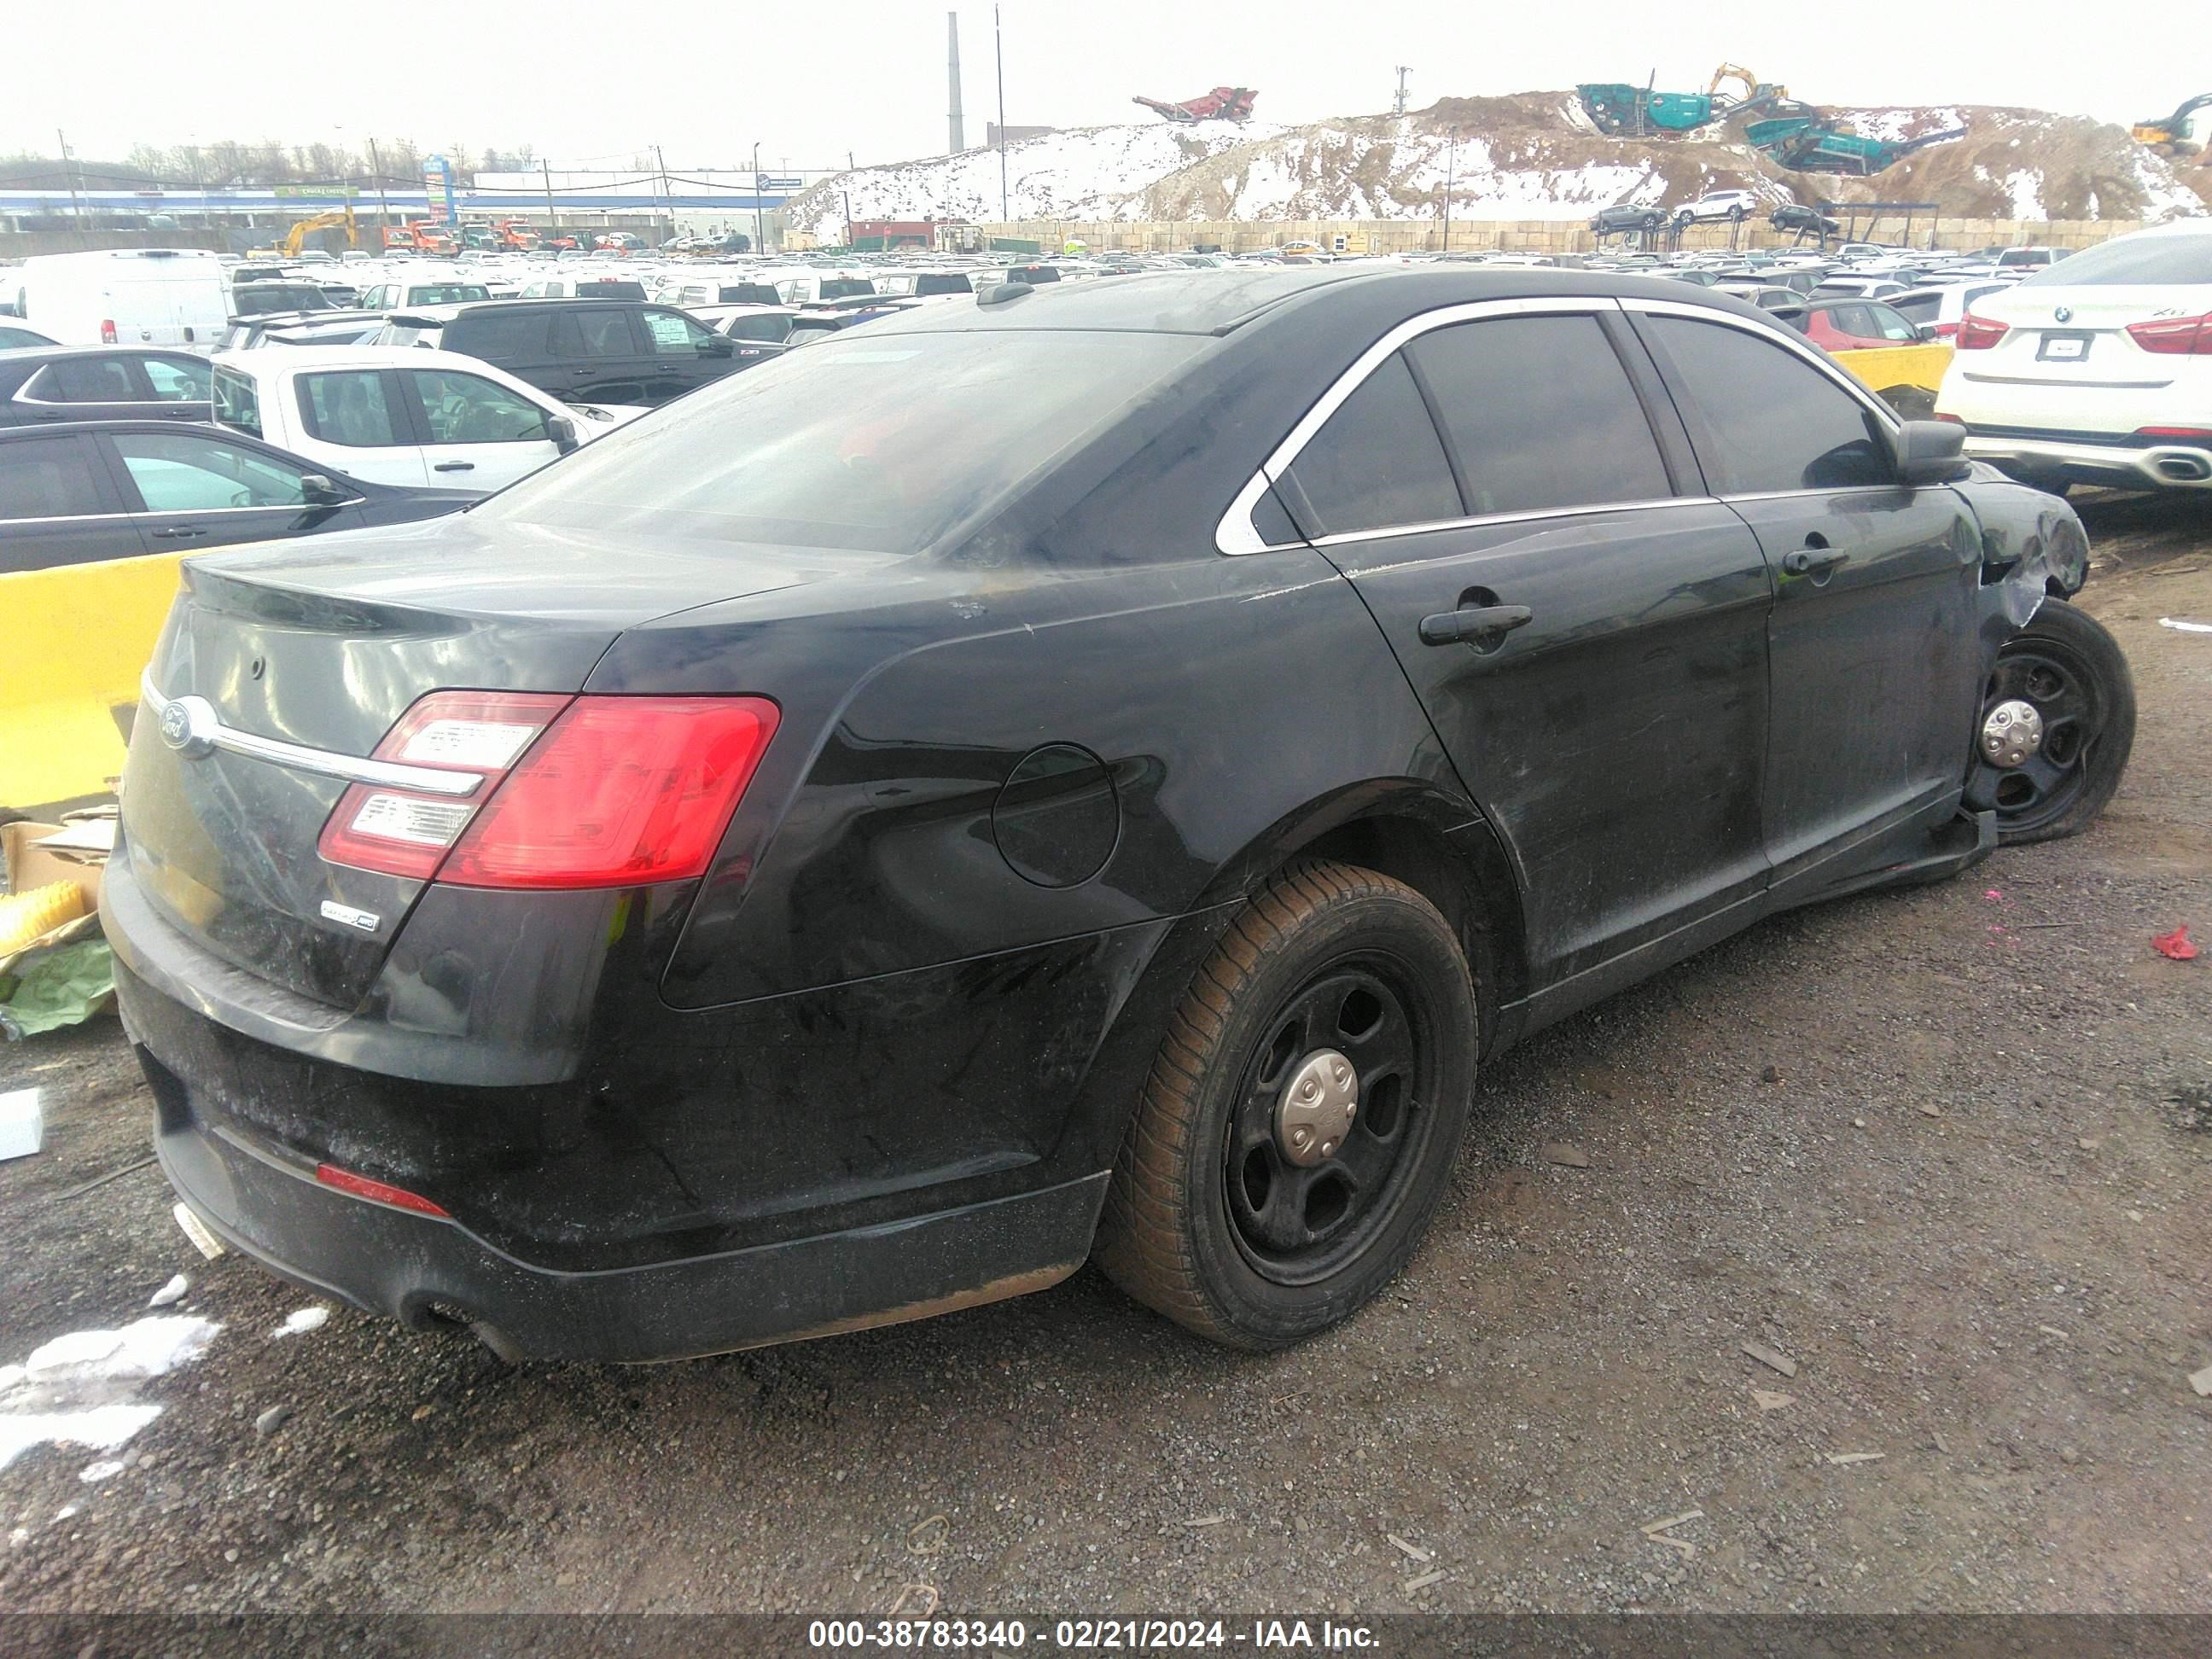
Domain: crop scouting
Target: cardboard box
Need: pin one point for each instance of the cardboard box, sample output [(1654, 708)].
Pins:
[(39, 855)]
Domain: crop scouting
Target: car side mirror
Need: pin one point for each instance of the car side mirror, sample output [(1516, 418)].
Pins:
[(1925, 331), (716, 347), (317, 490), (563, 431), (1931, 452)]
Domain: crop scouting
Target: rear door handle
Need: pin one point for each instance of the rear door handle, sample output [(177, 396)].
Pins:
[(454, 466), (179, 533), (1483, 625), (1812, 560)]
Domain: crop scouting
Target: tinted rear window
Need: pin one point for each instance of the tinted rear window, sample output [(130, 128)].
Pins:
[(746, 294), (1920, 307), (846, 288), (943, 282), (884, 444), (46, 478), (610, 291), (1591, 444), (498, 335), (2182, 259), (1378, 463), (444, 294)]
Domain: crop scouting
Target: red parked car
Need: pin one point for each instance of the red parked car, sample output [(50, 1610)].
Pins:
[(1852, 324)]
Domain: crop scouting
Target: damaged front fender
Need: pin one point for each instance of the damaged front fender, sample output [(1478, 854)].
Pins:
[(2034, 546)]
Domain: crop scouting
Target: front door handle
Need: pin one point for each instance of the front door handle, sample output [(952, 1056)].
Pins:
[(1483, 626), (454, 466), (181, 533), (1814, 562)]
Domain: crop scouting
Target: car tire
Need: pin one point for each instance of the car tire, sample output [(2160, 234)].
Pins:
[(1212, 1218), (2065, 667)]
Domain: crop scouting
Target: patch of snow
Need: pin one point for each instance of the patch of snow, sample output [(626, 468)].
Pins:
[(172, 1292), (2024, 186), (299, 1324), (64, 1512), (107, 1470), (81, 1389)]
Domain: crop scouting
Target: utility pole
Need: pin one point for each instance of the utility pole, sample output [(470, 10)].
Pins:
[(1451, 164), (1403, 71), (999, 44), (383, 207), (958, 124), (760, 236), (667, 201), (69, 176), (552, 215)]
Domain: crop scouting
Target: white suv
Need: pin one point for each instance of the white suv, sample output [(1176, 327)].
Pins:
[(1733, 205), (2096, 369)]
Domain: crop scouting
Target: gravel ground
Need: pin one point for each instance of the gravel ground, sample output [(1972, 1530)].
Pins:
[(1947, 1151)]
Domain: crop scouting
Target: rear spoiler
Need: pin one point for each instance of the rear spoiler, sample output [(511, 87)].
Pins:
[(402, 319)]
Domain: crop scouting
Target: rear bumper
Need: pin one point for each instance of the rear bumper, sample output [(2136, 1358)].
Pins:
[(426, 1271), (2156, 466)]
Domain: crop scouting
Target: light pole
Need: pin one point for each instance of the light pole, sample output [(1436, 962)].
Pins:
[(999, 45), (1451, 166), (760, 236)]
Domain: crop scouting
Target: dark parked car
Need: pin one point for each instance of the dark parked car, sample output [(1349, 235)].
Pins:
[(1093, 769), (1624, 219), (604, 351), (1793, 215), (69, 495), (46, 386)]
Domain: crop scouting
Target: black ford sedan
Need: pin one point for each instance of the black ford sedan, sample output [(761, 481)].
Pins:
[(1091, 772)]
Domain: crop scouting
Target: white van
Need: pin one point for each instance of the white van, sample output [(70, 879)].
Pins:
[(167, 296)]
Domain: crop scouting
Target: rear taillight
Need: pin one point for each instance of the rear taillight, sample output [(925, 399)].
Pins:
[(1979, 333), (582, 792), (107, 332), (2176, 434), (2174, 337), (1947, 330)]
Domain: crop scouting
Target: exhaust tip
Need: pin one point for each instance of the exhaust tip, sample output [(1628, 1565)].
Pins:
[(2185, 469)]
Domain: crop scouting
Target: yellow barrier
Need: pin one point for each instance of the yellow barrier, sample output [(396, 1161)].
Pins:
[(1891, 369), (73, 641)]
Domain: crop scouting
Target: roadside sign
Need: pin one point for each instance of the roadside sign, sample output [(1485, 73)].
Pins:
[(438, 187), (776, 182)]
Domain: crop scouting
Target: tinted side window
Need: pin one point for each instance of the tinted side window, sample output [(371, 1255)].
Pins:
[(1378, 462), (1920, 307), (348, 407), (1581, 443), (497, 337), (182, 472), (593, 334), (49, 478), (1762, 418), (82, 381)]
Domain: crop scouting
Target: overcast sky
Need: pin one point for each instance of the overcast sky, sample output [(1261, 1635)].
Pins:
[(595, 83)]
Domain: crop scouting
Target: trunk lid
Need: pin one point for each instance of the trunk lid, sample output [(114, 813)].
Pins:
[(2068, 364), (326, 647)]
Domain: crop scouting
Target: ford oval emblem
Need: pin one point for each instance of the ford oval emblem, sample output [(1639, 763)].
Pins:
[(2062, 315), (188, 726)]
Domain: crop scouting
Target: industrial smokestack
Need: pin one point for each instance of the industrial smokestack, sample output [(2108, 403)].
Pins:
[(952, 79)]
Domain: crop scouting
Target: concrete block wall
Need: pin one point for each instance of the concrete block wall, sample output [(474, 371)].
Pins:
[(1519, 235)]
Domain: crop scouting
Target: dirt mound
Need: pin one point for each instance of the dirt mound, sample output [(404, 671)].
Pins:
[(1521, 155)]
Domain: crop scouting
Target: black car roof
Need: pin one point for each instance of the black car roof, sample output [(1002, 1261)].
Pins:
[(33, 354), (1172, 302), (9, 434)]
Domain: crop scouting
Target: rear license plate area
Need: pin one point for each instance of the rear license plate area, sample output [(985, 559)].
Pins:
[(2063, 347)]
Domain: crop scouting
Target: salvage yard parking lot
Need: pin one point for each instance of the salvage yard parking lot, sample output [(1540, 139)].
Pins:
[(1870, 1250)]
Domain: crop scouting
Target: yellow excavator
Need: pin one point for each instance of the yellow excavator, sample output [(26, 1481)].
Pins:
[(295, 240), (2169, 135), (1754, 89)]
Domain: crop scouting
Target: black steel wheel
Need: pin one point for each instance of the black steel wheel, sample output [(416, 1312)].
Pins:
[(1297, 1130), (2057, 724), (1305, 1197)]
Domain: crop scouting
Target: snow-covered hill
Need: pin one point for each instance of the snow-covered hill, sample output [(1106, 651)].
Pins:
[(1527, 155)]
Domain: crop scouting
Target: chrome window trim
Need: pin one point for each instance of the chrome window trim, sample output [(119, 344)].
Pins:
[(1484, 520), (1235, 534), (71, 518), (207, 726)]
